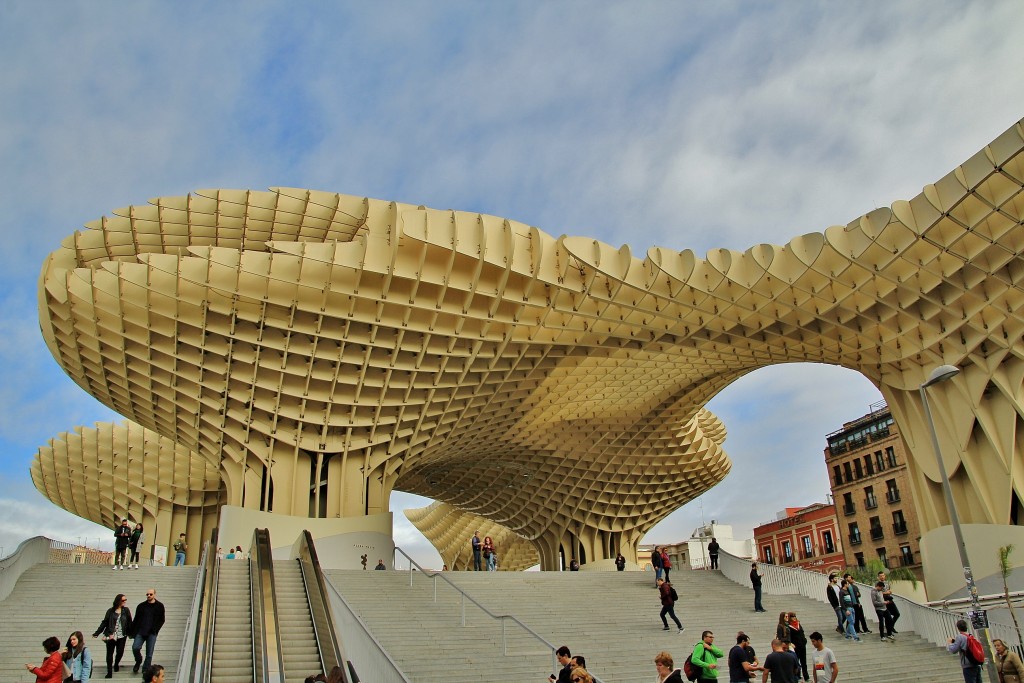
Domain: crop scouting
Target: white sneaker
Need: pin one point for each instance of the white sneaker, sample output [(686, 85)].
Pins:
[(115, 567)]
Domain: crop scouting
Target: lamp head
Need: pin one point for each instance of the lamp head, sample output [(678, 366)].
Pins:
[(941, 374)]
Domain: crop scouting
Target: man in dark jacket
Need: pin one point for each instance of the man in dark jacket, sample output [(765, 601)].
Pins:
[(122, 535), (832, 593), (149, 618), (755, 581)]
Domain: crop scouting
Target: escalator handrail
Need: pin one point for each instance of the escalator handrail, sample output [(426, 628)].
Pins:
[(332, 653), (194, 646), (265, 612)]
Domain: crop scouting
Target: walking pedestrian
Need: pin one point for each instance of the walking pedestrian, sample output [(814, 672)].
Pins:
[(860, 624), (666, 564), (834, 599), (1008, 664), (705, 656), (849, 616), (149, 619), (153, 674), (799, 640), (77, 658), (476, 544), (668, 600), (894, 612), (489, 557), (52, 668), (564, 657), (740, 669), (180, 548), (882, 612), (713, 552), (826, 669), (122, 536), (134, 543), (959, 645), (656, 563), (620, 562), (780, 664), (755, 581), (665, 666), (114, 627)]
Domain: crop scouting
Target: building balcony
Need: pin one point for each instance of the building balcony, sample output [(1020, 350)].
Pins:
[(849, 509), (899, 528), (855, 539), (870, 503), (880, 434), (806, 555), (907, 559), (786, 559), (877, 533), (893, 495)]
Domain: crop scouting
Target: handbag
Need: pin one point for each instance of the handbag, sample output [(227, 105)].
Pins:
[(1011, 678), (68, 674)]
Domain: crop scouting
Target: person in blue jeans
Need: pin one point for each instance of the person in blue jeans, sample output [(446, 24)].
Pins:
[(149, 619), (180, 546), (958, 645)]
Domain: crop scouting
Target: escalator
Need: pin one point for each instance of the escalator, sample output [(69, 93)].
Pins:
[(263, 621)]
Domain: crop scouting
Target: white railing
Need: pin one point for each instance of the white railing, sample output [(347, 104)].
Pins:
[(934, 625), (29, 553), (370, 659)]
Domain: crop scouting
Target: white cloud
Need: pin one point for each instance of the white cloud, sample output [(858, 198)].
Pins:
[(678, 124)]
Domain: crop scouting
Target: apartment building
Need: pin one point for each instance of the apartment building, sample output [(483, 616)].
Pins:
[(806, 538), (867, 467)]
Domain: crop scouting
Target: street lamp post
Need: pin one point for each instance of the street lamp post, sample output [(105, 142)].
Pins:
[(941, 374)]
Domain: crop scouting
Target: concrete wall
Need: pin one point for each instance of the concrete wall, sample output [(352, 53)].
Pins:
[(942, 571), (340, 542)]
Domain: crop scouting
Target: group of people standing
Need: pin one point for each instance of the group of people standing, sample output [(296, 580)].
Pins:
[(483, 551), (782, 665), (127, 539), (116, 626), (845, 598)]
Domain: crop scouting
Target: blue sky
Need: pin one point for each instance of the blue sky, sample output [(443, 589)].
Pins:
[(678, 124)]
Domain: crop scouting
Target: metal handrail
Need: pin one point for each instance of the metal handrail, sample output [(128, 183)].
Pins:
[(266, 625), (329, 646), (374, 659), (434, 575), (934, 625), (193, 626), (208, 624)]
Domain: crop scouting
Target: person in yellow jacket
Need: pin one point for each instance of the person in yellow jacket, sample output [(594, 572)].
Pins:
[(705, 657)]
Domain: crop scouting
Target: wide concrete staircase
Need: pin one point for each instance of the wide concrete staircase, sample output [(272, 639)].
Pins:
[(298, 637), (56, 599), (232, 634), (609, 617)]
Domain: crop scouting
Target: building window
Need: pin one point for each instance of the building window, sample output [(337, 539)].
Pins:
[(870, 502), (837, 475), (767, 554), (848, 507), (883, 558), (808, 549), (879, 461), (877, 532), (892, 493), (906, 556), (78, 559), (859, 558), (891, 455), (854, 534), (899, 524), (787, 552), (847, 471), (830, 544), (857, 469), (869, 465)]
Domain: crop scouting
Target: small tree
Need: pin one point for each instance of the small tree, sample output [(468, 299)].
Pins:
[(1005, 569), (868, 574)]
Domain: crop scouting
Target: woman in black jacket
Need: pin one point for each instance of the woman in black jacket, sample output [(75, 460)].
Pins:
[(115, 626)]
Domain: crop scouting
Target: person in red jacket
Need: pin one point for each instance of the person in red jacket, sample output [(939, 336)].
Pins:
[(52, 670)]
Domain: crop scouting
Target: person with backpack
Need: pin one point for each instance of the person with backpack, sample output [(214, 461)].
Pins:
[(668, 601), (704, 658), (972, 655)]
